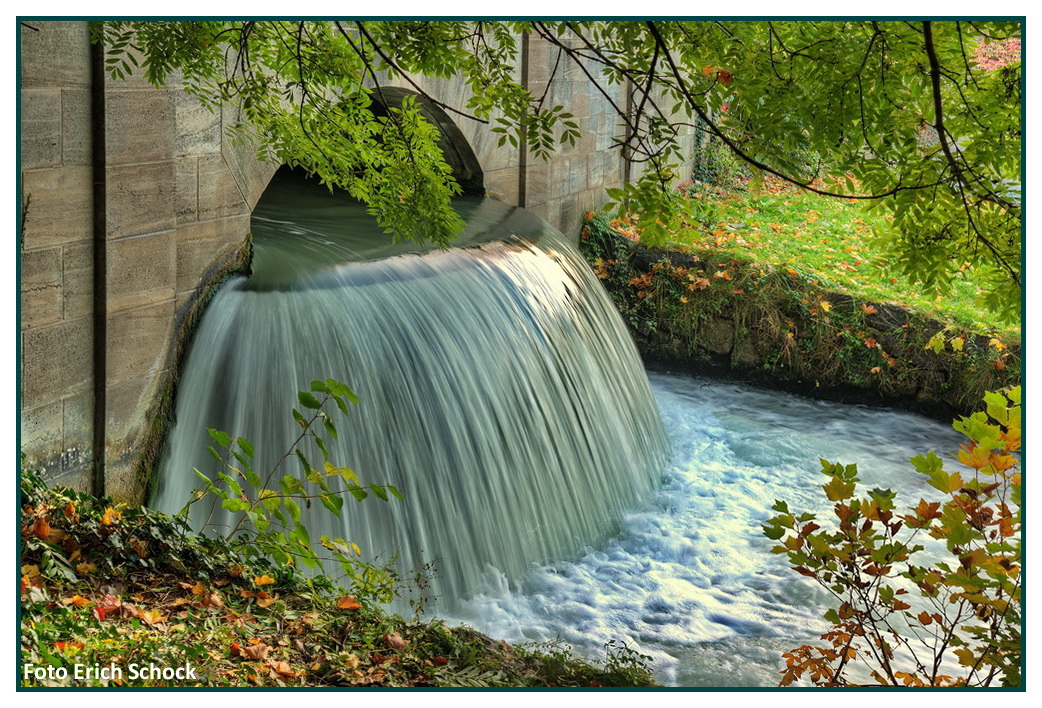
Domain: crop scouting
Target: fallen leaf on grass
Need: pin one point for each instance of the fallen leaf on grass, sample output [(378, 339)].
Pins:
[(76, 600), (394, 641)]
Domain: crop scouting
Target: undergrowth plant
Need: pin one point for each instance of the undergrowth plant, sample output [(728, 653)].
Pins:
[(269, 522), (948, 615)]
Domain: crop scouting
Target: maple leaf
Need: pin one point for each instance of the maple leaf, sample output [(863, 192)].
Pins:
[(109, 604), (110, 517), (152, 617), (256, 652), (869, 309)]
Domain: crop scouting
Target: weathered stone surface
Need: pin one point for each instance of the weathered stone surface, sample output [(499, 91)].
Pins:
[(720, 336), (77, 280), (198, 130), (200, 245), (251, 175), (139, 126), (55, 53), (187, 200), (41, 286), (219, 195), (56, 361), (41, 128), (76, 127), (59, 206), (138, 341), (41, 431), (141, 198), (502, 185), (140, 270)]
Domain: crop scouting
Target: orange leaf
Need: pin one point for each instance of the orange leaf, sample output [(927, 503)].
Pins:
[(199, 589), (41, 529), (348, 602), (69, 511), (264, 580), (76, 600), (110, 517)]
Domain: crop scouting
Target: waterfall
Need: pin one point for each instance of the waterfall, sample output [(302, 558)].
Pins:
[(498, 388)]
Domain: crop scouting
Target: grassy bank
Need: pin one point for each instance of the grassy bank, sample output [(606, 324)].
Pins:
[(105, 585), (788, 289)]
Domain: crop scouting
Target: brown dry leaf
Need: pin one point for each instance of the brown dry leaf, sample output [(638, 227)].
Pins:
[(267, 600), (256, 652), (199, 589), (283, 669), (348, 602), (395, 641), (108, 605), (236, 570)]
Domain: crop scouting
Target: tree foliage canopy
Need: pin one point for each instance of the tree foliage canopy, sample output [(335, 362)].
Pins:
[(918, 118)]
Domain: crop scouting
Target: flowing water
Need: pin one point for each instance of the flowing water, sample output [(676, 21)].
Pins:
[(498, 389), (501, 393)]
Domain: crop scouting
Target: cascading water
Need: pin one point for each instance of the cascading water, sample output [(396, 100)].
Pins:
[(499, 389)]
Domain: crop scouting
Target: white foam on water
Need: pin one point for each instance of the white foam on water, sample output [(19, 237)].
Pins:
[(690, 579)]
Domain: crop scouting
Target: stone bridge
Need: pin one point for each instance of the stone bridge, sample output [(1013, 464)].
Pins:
[(136, 204)]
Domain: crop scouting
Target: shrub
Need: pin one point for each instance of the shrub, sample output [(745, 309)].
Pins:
[(912, 619)]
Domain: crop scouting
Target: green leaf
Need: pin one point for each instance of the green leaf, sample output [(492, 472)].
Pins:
[(333, 502), (221, 438), (307, 400)]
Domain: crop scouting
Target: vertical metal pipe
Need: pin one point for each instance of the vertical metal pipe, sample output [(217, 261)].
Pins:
[(100, 302)]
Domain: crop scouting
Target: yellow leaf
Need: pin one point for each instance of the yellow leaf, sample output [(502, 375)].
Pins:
[(110, 517), (264, 580)]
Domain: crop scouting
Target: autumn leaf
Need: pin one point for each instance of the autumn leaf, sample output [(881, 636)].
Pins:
[(65, 646), (152, 617), (868, 309), (199, 589), (70, 511), (264, 580), (283, 670), (256, 652), (108, 605), (725, 77), (110, 517), (394, 641), (348, 602), (76, 600), (266, 601), (41, 529), (85, 568)]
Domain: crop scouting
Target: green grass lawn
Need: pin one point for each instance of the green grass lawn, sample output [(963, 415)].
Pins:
[(837, 242)]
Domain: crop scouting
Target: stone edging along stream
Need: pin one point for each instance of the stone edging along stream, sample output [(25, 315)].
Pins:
[(779, 329)]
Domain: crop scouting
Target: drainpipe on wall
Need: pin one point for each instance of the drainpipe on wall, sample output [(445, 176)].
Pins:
[(100, 304)]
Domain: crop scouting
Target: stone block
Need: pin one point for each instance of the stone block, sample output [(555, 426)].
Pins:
[(41, 128), (138, 341), (76, 127), (60, 202), (139, 126), (141, 198), (219, 195), (197, 129), (502, 185), (41, 286), (187, 202), (538, 189), (57, 360), (55, 53), (41, 433), (199, 245), (77, 280), (140, 270)]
